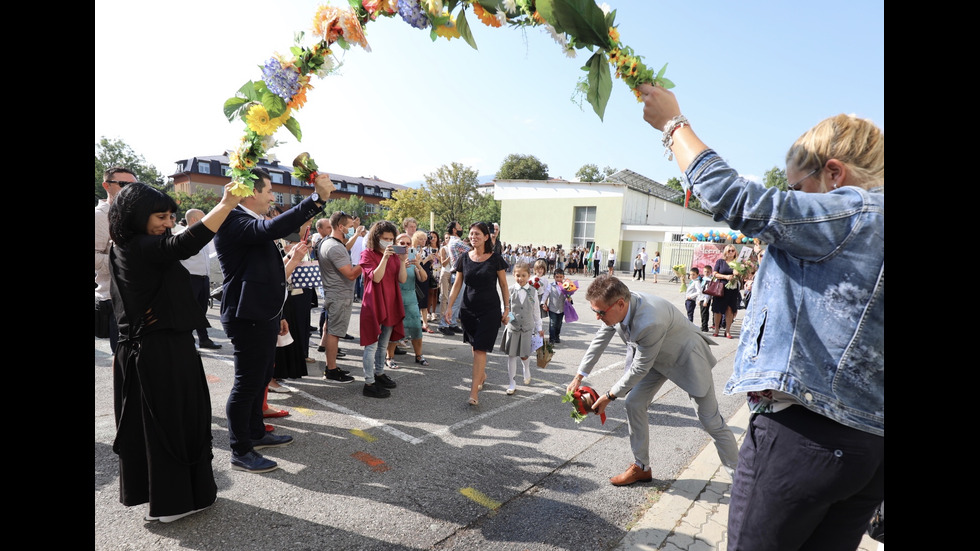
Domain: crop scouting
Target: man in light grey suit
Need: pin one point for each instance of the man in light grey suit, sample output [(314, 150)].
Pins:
[(661, 344)]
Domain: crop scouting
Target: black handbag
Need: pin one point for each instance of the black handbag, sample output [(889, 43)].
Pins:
[(715, 288), (876, 529), (103, 318)]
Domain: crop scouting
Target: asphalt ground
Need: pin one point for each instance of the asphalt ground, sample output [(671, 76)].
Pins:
[(423, 469)]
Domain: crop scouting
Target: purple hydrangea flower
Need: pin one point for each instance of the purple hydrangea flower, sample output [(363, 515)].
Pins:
[(412, 13), (281, 81)]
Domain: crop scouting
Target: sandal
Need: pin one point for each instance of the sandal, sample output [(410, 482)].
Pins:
[(421, 360), (390, 364), (474, 402), (428, 330)]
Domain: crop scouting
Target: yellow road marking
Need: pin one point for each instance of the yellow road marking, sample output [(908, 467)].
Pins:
[(361, 434), (480, 498)]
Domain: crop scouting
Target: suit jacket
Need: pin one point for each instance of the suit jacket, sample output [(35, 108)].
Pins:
[(254, 276), (663, 340)]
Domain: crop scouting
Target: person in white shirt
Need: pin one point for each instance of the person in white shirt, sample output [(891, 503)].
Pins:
[(199, 267), (645, 258), (113, 180)]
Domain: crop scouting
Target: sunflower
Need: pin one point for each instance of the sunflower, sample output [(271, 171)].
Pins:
[(258, 121), (448, 30), (240, 189), (614, 34)]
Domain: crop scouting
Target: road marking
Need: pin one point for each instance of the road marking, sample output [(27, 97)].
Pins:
[(480, 498), (364, 419), (361, 434), (377, 465)]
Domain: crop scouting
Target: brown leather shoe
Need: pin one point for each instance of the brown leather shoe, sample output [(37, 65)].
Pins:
[(631, 475)]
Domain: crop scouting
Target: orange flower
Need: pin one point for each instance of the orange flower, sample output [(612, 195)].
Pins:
[(325, 23), (614, 34), (486, 17), (299, 100), (352, 30), (538, 19)]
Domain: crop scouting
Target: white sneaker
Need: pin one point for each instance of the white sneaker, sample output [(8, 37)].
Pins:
[(511, 390), (527, 380)]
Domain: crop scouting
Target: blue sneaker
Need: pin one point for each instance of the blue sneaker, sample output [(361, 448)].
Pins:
[(252, 462), (271, 441)]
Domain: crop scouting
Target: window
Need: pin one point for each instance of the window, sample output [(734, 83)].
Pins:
[(583, 232), (204, 167), (297, 198), (368, 190), (277, 196), (226, 170), (276, 177), (352, 188), (386, 193)]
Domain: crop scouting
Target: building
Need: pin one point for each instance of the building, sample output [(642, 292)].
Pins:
[(210, 174), (625, 212)]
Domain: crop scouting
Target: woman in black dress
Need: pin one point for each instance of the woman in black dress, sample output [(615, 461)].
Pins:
[(162, 404), (727, 304), (480, 315)]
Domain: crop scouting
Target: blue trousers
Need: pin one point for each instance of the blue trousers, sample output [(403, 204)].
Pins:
[(804, 482), (554, 325)]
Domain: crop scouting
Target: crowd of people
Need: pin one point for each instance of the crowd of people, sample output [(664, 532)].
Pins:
[(810, 358)]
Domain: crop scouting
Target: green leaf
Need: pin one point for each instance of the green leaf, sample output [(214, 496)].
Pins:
[(666, 83), (233, 106), (343, 43), (464, 29), (581, 19), (600, 83), (432, 33), (273, 104), (661, 72), (293, 126), (248, 90)]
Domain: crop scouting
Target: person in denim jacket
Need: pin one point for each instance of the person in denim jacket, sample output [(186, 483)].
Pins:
[(811, 356)]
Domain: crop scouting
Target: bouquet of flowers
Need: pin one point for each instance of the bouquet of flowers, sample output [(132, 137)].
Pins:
[(582, 400), (681, 271), (740, 270), (536, 281), (568, 288), (544, 353)]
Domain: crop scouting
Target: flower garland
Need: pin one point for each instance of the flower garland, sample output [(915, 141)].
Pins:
[(267, 105)]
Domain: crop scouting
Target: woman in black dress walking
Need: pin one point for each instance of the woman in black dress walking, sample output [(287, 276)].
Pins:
[(480, 315)]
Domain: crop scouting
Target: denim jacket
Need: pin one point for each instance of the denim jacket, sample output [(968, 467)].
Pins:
[(815, 328)]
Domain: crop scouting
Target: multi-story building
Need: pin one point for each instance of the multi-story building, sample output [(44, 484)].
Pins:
[(209, 173)]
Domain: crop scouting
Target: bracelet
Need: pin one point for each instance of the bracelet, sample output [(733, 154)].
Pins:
[(610, 396), (668, 138)]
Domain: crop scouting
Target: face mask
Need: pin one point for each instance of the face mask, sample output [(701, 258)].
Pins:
[(350, 232), (386, 244)]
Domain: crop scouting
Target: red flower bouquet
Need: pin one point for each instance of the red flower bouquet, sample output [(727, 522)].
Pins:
[(582, 400)]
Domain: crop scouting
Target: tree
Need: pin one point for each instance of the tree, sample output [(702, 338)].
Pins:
[(452, 193), (522, 167), (354, 206), (115, 152), (776, 177), (486, 209), (675, 183), (203, 200), (591, 173), (408, 203)]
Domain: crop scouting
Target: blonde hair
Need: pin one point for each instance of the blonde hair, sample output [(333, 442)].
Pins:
[(420, 237), (854, 141), (541, 263)]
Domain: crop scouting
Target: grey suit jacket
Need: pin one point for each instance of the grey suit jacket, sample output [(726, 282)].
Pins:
[(664, 340)]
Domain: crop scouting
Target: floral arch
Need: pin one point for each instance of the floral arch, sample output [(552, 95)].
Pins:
[(267, 105)]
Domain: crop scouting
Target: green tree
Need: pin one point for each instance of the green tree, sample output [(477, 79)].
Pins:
[(522, 167), (452, 191), (591, 173), (405, 203), (203, 200), (354, 206), (675, 183), (776, 177), (485, 209), (115, 152)]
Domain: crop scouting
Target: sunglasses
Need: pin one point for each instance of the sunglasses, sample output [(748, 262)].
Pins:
[(120, 183)]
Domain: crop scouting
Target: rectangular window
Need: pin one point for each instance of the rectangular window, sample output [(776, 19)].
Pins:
[(277, 196), (204, 167), (368, 190), (583, 232), (352, 188), (226, 170), (276, 177)]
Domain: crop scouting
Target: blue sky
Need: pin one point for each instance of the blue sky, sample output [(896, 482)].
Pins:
[(751, 76)]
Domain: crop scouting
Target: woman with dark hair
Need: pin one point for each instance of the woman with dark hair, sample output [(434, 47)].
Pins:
[(434, 245), (480, 315), (382, 310), (162, 404)]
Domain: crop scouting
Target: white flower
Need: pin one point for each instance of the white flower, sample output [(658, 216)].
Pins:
[(605, 8), (271, 157), (434, 6), (329, 64), (502, 17), (559, 38), (510, 6), (268, 142)]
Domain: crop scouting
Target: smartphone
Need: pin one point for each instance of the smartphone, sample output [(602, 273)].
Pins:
[(306, 236), (412, 251), (399, 249)]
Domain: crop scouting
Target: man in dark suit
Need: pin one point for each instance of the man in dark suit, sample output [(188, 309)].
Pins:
[(251, 309), (661, 344)]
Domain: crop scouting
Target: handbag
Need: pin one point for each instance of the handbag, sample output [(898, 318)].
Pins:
[(306, 275), (103, 318), (715, 288), (876, 529)]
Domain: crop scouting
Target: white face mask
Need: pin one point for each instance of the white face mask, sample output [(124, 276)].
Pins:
[(386, 244)]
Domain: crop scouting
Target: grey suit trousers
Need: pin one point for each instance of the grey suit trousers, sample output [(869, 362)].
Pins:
[(638, 402)]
